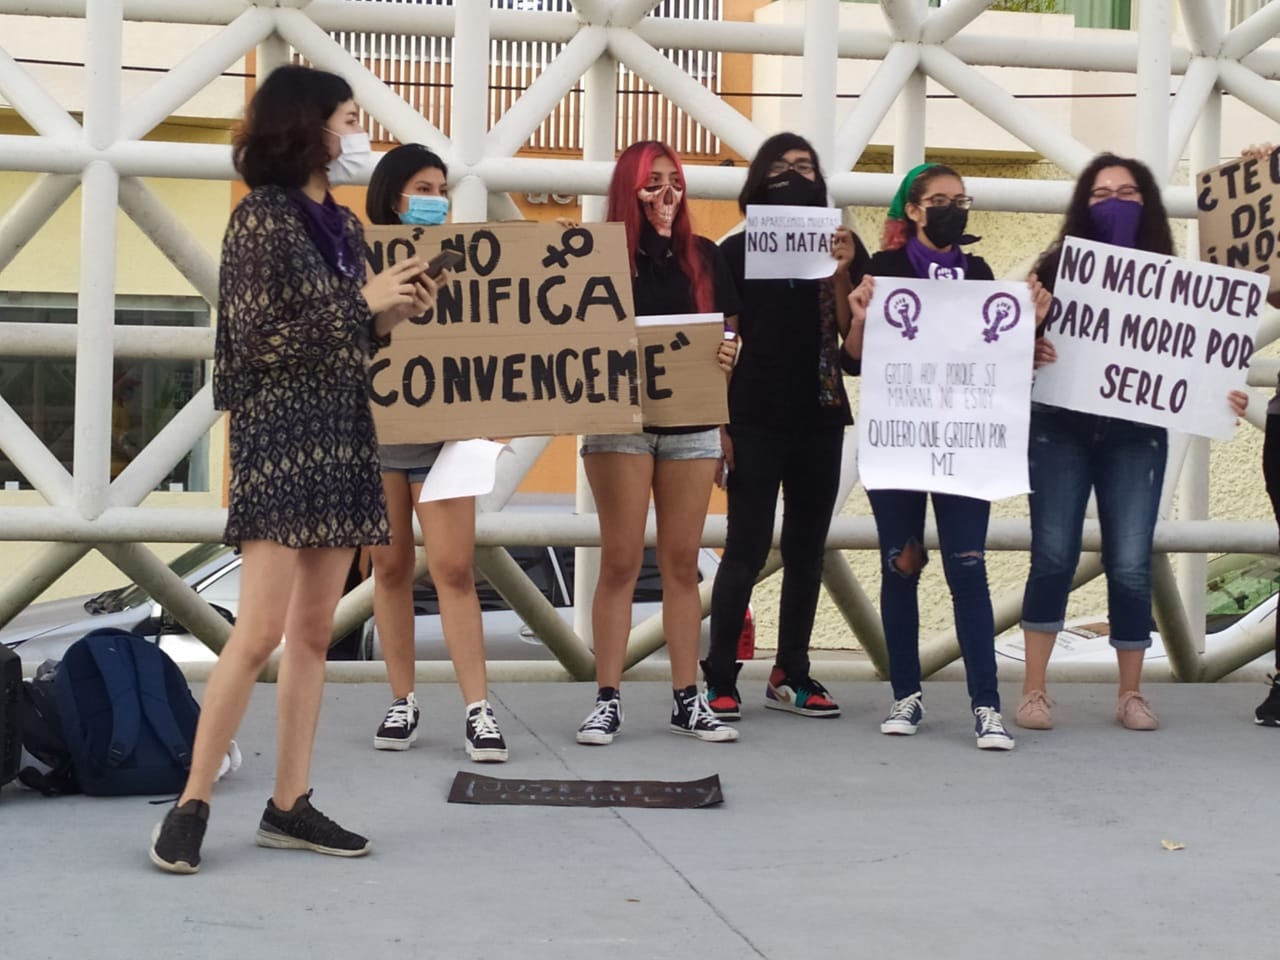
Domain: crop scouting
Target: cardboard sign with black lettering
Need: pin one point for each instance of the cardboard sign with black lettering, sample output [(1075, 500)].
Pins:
[(945, 387), (533, 335), (1149, 338), (683, 383), (785, 243), (1239, 215)]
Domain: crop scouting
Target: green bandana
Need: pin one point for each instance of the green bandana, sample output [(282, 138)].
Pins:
[(898, 209)]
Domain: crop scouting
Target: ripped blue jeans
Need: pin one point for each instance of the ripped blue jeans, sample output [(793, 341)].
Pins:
[(962, 536), (1122, 463)]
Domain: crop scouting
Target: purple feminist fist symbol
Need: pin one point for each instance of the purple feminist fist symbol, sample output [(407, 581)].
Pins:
[(902, 309), (1001, 312)]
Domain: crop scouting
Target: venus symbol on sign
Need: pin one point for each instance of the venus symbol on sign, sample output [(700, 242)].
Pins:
[(576, 242)]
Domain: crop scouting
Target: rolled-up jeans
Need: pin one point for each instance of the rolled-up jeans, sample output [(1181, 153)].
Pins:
[(1122, 462)]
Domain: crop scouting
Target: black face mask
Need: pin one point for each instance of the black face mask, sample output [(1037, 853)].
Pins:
[(945, 225), (792, 190)]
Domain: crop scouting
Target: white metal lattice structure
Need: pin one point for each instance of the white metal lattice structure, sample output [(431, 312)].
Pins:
[(105, 155)]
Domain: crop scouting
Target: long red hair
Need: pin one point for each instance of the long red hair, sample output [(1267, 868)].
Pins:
[(630, 173)]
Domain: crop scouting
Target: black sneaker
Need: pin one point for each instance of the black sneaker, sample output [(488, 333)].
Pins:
[(175, 842), (692, 717), (1268, 712), (306, 828), (723, 698), (484, 739), (399, 727), (803, 696), (604, 722)]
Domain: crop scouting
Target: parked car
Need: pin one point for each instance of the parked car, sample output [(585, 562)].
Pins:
[(44, 630), (1241, 592)]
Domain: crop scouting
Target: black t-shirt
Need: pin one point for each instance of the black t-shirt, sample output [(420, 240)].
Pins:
[(661, 289), (776, 383), (895, 263)]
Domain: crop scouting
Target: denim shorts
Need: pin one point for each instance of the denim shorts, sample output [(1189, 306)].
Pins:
[(412, 474), (703, 445)]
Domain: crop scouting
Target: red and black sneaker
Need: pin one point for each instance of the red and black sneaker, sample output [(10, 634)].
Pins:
[(723, 697), (800, 695)]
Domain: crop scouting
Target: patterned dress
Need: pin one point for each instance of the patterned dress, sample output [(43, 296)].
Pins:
[(290, 364)]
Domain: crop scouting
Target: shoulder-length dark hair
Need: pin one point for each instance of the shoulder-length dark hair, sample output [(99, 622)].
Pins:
[(1154, 235), (770, 151), (281, 142), (630, 173), (394, 170)]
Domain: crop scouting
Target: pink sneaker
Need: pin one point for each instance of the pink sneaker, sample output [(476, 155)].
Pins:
[(1134, 713), (1035, 711)]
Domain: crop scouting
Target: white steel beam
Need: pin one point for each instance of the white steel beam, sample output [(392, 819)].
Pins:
[(404, 122), (818, 75), (513, 130), (1257, 29), (208, 12), (186, 606), (1193, 94), (1152, 101), (22, 91), (170, 236), (1245, 85), (134, 342), (995, 102), (165, 450), (33, 460), (947, 21), (874, 103), (1204, 26), (31, 211), (196, 71), (38, 574), (739, 133), (905, 18), (627, 13)]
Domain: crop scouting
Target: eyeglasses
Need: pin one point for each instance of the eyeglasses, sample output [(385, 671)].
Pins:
[(960, 202), (806, 168), (1127, 192)]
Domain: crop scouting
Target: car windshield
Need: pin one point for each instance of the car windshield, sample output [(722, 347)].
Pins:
[(1237, 584), (132, 595)]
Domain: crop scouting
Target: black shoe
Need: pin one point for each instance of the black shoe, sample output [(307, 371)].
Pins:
[(175, 842), (399, 727), (722, 695), (1268, 713), (691, 717), (484, 740), (306, 828), (604, 721)]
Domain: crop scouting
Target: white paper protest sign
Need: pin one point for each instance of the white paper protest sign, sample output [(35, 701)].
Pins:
[(1149, 338), (790, 243), (945, 387), (464, 468)]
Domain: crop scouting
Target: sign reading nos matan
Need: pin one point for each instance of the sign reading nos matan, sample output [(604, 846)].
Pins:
[(789, 243), (945, 387), (1150, 338)]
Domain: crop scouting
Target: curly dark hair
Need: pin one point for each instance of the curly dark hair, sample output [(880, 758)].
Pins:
[(1154, 235), (773, 149), (393, 171), (281, 142)]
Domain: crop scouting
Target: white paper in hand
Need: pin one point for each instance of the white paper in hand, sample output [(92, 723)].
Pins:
[(464, 468)]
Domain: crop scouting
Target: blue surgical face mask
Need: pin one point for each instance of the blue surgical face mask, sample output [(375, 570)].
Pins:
[(424, 210)]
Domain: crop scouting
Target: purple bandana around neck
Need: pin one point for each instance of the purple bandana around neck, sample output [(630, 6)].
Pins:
[(327, 224), (930, 264)]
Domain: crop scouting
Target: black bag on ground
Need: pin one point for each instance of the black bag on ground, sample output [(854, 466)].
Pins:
[(42, 738), (10, 714)]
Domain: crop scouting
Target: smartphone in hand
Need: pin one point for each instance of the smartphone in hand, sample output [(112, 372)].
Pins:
[(442, 261)]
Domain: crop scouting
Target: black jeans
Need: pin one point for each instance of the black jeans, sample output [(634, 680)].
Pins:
[(806, 464), (1271, 474)]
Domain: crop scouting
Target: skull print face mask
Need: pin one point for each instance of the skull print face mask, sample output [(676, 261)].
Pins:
[(660, 203)]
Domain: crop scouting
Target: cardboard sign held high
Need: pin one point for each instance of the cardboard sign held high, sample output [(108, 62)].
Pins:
[(1239, 215), (533, 335)]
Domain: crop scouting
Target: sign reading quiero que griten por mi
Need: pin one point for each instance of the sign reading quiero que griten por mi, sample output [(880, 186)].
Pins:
[(1150, 338)]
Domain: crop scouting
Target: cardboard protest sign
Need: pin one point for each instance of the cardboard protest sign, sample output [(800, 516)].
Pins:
[(945, 388), (1239, 215), (534, 335), (683, 384), (786, 243), (1149, 338)]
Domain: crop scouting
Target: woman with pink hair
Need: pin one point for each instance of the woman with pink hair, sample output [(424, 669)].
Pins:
[(673, 271)]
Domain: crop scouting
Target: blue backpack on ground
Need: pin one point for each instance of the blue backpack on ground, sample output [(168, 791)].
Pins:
[(128, 716)]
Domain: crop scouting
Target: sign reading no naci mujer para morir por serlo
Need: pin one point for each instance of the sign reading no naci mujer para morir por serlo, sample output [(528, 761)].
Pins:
[(945, 387), (533, 335), (1150, 338)]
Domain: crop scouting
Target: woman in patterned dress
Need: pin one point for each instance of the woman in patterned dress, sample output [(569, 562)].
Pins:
[(297, 319)]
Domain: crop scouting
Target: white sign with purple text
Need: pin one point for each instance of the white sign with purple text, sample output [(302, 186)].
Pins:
[(790, 243), (945, 387), (1149, 338)]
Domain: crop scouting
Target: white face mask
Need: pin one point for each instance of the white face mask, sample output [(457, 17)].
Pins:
[(355, 153)]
